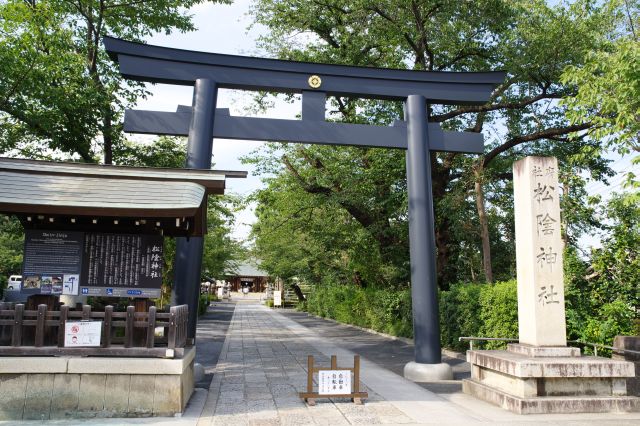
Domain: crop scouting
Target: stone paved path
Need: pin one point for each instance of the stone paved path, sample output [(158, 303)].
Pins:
[(262, 367), (260, 372)]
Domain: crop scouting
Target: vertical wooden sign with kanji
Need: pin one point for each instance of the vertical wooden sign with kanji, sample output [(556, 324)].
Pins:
[(541, 312)]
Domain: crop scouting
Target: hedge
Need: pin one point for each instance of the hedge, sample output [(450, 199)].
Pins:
[(485, 310), (488, 310)]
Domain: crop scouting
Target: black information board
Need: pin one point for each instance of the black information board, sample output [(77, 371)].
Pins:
[(119, 265), (122, 265), (52, 262)]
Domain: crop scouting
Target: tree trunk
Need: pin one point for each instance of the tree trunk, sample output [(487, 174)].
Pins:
[(484, 225), (297, 291), (107, 135)]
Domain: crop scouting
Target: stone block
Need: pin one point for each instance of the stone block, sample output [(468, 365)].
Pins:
[(64, 401), (92, 390), (548, 405), (543, 351), (35, 364), (116, 396), (151, 366), (167, 397), (521, 387), (13, 388), (629, 343), (141, 391), (556, 386), (188, 385), (521, 366), (37, 401)]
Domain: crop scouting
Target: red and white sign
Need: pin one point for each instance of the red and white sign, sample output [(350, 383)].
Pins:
[(82, 333)]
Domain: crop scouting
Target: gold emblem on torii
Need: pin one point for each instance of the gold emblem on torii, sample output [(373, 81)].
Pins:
[(314, 81)]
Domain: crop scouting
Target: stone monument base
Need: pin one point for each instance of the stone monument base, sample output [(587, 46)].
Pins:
[(42, 388), (418, 372), (538, 380)]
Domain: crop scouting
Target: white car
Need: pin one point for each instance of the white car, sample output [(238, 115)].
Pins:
[(14, 283)]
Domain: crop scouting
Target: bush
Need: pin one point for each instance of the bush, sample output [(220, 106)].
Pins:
[(203, 304), (384, 310), (499, 312)]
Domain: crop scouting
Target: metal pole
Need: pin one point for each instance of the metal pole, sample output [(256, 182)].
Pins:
[(188, 261), (424, 293)]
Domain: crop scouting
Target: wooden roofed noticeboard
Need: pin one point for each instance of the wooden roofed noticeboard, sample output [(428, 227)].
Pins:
[(87, 197)]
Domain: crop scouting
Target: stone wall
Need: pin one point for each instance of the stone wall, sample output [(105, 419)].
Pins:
[(40, 388), (630, 343)]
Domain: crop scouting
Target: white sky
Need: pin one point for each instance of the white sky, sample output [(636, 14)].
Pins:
[(224, 29), (220, 29)]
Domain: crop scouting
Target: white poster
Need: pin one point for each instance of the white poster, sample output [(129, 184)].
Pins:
[(277, 298), (82, 333), (70, 284), (334, 382)]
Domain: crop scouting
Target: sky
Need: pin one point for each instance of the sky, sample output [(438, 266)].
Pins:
[(220, 29), (224, 29)]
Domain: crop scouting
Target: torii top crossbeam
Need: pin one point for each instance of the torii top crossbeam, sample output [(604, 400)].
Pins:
[(175, 66)]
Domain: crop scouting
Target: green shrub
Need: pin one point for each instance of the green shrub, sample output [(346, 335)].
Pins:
[(384, 310), (460, 314), (499, 312), (203, 303), (613, 319), (269, 303)]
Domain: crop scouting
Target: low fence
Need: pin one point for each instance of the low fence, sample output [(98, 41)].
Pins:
[(126, 334)]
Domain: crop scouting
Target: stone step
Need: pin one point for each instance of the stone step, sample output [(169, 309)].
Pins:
[(518, 365), (551, 404)]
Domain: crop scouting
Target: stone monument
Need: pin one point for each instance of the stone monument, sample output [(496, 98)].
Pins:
[(541, 374)]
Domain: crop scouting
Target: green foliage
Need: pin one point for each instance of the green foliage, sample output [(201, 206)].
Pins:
[(460, 314), (340, 214), (612, 319), (485, 310), (60, 92), (11, 245), (608, 83), (384, 310), (203, 304), (499, 311)]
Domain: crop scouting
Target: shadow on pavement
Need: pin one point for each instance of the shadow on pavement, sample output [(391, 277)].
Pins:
[(384, 351), (210, 335)]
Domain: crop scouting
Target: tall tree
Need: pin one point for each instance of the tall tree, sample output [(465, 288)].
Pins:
[(58, 89), (531, 40)]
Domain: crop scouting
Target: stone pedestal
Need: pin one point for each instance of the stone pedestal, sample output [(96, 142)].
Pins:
[(43, 388), (541, 374), (533, 380), (418, 372)]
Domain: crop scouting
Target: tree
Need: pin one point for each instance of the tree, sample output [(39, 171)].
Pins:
[(608, 86), (532, 41), (58, 89)]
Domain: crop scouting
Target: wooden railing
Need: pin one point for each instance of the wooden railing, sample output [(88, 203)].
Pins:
[(130, 334)]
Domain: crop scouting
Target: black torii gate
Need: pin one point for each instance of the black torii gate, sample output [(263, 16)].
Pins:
[(202, 122)]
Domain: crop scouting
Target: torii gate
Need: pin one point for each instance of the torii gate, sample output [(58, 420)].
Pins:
[(202, 122)]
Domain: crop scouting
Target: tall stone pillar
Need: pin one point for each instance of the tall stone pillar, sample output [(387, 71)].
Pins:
[(541, 312)]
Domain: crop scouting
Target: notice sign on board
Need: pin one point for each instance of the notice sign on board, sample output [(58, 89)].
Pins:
[(277, 298), (334, 382), (82, 333)]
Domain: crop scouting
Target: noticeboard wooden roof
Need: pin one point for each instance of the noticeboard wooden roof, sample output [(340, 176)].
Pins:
[(49, 195)]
